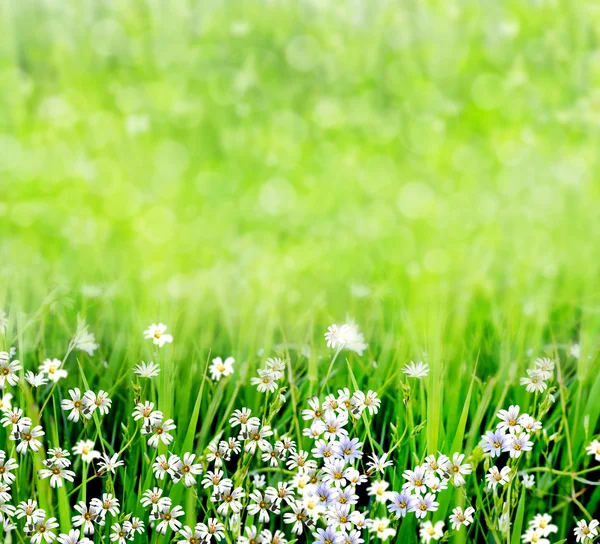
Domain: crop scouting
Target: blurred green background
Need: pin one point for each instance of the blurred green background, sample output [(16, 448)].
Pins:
[(434, 158)]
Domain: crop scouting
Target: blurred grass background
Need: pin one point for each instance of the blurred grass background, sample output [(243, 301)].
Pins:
[(250, 171), (294, 161)]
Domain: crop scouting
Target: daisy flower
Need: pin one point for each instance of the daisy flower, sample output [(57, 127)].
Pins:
[(415, 480), (379, 491), (493, 442), (459, 470), (497, 477), (422, 504), (327, 536), (213, 527), (511, 422), (6, 468), (381, 528), (76, 406), (545, 367), (56, 475), (585, 532), (157, 332), (533, 381), (276, 366), (5, 402), (159, 431), (265, 382), (188, 469), (399, 503), (108, 503), (534, 536), (594, 449), (193, 536), (27, 436), (40, 529), (52, 369), (528, 480), (542, 523), (87, 517), (109, 464), (378, 464), (262, 506), (85, 448), (347, 337), (416, 370), (147, 370), (428, 531), (143, 411), (120, 533), (8, 370), (458, 518), (73, 537), (35, 380), (220, 368), (517, 444), (230, 499), (99, 401)]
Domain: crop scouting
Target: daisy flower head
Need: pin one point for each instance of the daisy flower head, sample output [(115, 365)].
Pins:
[(593, 449), (41, 529), (528, 480), (6, 468), (381, 528), (534, 536), (460, 517), (52, 368), (77, 406), (585, 532), (543, 523), (517, 444), (229, 499), (27, 436), (493, 442), (220, 368), (400, 503), (370, 402), (458, 470), (421, 504), (157, 333), (109, 464), (73, 537), (378, 464), (5, 402), (99, 401), (545, 367), (147, 370), (277, 367), (417, 370), (428, 531), (534, 382), (265, 383), (497, 477), (347, 337), (83, 339), (213, 527), (35, 380), (56, 473), (8, 370), (158, 430), (510, 420), (328, 535)]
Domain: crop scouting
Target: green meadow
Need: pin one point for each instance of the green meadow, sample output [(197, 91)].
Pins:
[(249, 173)]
